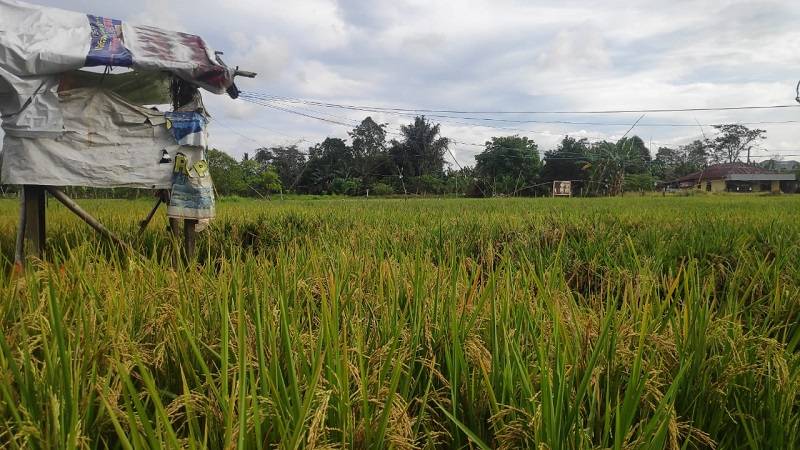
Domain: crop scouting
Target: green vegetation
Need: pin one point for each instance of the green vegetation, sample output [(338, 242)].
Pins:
[(422, 162), (641, 322)]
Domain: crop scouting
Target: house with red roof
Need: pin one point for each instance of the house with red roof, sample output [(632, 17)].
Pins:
[(736, 177)]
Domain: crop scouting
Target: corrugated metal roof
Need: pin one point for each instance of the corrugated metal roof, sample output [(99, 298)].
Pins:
[(721, 171)]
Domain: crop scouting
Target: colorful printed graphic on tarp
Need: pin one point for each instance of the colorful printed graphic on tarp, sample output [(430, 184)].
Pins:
[(107, 48), (192, 194), (155, 47), (188, 128)]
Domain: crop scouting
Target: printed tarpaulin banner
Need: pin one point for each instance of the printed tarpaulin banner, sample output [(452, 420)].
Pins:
[(37, 41), (185, 55), (107, 48), (188, 128), (192, 194)]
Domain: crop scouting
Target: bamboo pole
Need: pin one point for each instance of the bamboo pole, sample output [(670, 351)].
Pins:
[(94, 223), (143, 224)]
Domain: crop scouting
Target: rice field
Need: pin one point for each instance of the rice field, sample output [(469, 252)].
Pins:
[(611, 323)]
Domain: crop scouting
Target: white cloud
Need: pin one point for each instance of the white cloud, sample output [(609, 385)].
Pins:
[(495, 55), (575, 51), (314, 78), (312, 24), (158, 13), (268, 56)]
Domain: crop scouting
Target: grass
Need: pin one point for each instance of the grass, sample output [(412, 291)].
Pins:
[(499, 323)]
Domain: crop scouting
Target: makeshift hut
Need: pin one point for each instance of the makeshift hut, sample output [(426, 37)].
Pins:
[(66, 125)]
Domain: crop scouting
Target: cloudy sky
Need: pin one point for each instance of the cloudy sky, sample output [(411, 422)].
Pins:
[(494, 55)]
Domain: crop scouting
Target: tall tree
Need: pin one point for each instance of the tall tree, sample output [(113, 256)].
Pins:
[(259, 179), (567, 161), (634, 155), (226, 173), (606, 162), (673, 163), (732, 141), (368, 138), (610, 162), (422, 149), (369, 150), (287, 161), (692, 157), (509, 164), (332, 158), (664, 164)]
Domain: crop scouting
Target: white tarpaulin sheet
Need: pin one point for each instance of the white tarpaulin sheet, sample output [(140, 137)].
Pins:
[(105, 142), (36, 41), (67, 128), (38, 45)]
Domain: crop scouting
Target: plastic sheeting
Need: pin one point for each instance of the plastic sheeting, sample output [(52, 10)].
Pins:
[(69, 128), (188, 128), (105, 142), (192, 195), (37, 41), (38, 45)]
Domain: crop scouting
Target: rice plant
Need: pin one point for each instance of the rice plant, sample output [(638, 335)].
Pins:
[(440, 323)]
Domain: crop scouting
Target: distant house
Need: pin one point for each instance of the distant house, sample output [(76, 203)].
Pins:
[(736, 177)]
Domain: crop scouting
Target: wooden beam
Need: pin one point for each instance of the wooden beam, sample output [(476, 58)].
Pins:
[(34, 198), (94, 223), (19, 250)]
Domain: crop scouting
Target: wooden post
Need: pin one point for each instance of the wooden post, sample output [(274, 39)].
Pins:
[(174, 226), (189, 236), (19, 250), (34, 197)]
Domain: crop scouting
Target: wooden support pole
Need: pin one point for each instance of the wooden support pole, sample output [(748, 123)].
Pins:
[(189, 237), (143, 224), (34, 198), (19, 250), (174, 226), (175, 231), (75, 208)]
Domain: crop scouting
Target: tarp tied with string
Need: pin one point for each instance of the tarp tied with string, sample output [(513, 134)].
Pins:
[(68, 126)]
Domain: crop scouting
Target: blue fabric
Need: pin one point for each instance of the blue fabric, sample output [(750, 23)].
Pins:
[(183, 124)]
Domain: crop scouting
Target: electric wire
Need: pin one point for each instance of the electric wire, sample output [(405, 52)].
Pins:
[(584, 157), (599, 111), (500, 120)]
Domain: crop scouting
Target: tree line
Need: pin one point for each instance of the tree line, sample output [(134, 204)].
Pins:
[(416, 162)]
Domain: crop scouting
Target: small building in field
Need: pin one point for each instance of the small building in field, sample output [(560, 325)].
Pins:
[(736, 177)]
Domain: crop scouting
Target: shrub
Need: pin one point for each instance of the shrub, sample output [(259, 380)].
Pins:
[(381, 189)]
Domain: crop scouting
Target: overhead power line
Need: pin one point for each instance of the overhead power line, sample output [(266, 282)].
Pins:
[(264, 102), (503, 120), (342, 121), (600, 111), (339, 122), (591, 154)]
